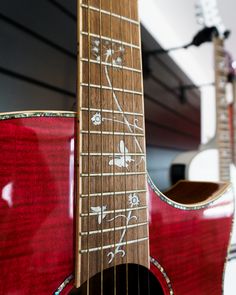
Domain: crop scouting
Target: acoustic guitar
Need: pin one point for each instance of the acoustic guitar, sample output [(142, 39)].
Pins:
[(212, 161), (78, 213), (229, 283)]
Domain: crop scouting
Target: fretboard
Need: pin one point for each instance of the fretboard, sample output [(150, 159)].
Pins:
[(234, 120), (222, 115), (112, 222)]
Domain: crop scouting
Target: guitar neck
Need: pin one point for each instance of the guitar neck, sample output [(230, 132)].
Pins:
[(222, 112), (112, 225), (234, 120)]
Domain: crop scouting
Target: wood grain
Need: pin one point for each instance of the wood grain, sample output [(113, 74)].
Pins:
[(223, 137), (190, 243), (233, 121), (36, 204), (188, 240), (111, 146)]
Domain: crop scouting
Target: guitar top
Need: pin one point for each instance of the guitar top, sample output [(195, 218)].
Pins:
[(189, 228), (75, 216)]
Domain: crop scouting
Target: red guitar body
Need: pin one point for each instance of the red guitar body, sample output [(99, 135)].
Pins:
[(188, 244)]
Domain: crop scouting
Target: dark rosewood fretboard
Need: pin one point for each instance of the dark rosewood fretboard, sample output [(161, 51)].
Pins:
[(112, 225), (222, 115)]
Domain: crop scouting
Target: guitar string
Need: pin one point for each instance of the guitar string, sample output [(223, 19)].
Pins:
[(234, 120), (219, 47), (215, 41), (101, 160), (88, 138), (77, 156), (135, 151), (228, 121), (122, 53), (223, 75), (146, 247), (113, 145)]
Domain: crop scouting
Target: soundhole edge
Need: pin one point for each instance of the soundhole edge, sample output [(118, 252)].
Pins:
[(124, 279)]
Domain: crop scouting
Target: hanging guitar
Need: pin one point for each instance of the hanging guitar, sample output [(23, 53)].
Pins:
[(77, 215), (229, 282), (212, 161)]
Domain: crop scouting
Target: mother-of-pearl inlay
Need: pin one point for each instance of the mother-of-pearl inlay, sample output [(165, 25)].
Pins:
[(134, 201)]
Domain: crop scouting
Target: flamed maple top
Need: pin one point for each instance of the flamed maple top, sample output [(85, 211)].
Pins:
[(112, 225)]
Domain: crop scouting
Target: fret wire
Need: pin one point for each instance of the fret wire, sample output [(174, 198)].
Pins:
[(111, 174), (226, 158), (111, 111), (111, 40), (89, 182), (112, 14), (222, 120), (77, 150), (221, 116), (223, 129), (115, 154), (125, 210), (222, 107), (225, 146), (114, 245), (223, 125), (112, 65), (225, 178), (124, 122), (110, 88), (111, 133), (114, 193), (132, 81), (101, 103), (224, 166), (89, 151), (113, 142), (93, 232)]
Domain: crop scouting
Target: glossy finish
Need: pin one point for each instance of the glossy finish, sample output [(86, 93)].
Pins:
[(188, 244), (36, 204)]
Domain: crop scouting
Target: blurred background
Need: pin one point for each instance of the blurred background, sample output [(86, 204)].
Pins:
[(38, 69)]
